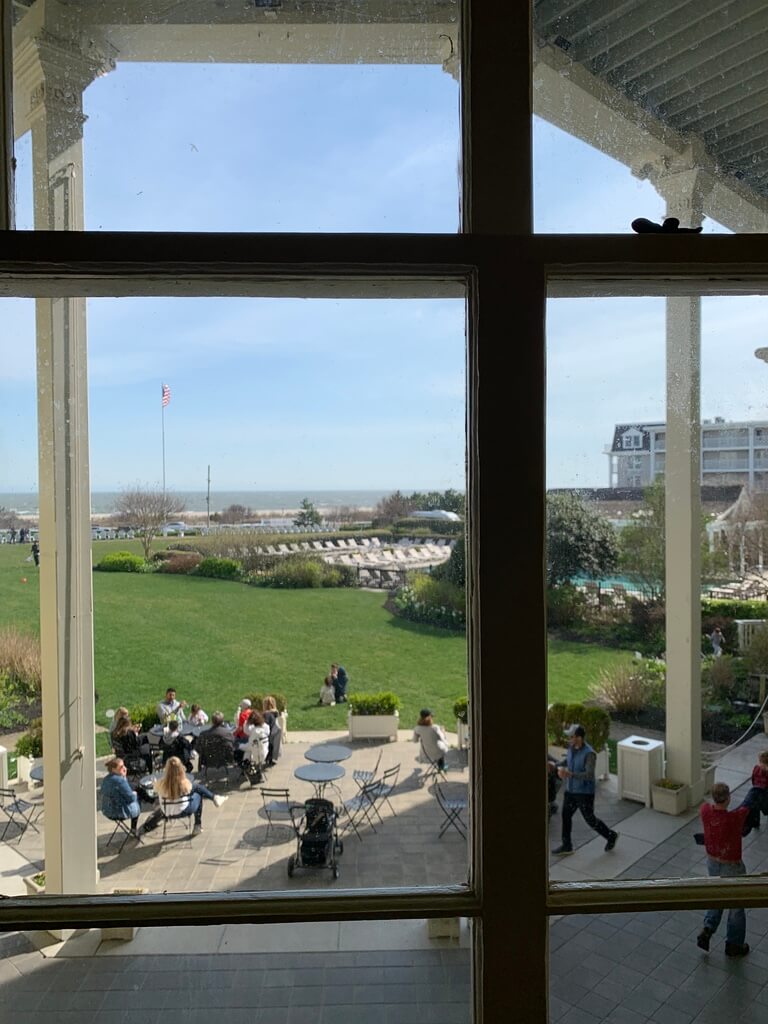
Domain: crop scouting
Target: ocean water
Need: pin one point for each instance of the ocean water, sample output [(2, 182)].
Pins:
[(103, 502)]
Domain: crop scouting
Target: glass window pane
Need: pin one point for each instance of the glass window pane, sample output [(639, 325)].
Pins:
[(251, 974), (639, 967), (277, 502), (655, 110), (247, 117), (657, 585)]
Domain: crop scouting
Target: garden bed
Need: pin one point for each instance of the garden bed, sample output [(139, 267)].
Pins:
[(716, 727)]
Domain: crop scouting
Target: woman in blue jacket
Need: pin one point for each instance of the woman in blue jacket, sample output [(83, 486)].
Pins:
[(118, 800)]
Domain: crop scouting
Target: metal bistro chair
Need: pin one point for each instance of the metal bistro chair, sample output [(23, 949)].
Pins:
[(362, 806), (385, 789), (452, 808), (185, 820), (19, 813), (363, 777), (433, 770), (215, 753), (277, 807), (120, 826)]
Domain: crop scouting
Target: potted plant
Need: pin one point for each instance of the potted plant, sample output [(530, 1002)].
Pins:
[(669, 796), (373, 715), (461, 712), (28, 747), (35, 884)]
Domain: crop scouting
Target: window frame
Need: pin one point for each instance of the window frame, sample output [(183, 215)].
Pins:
[(507, 268)]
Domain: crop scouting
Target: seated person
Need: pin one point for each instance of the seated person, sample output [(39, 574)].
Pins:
[(340, 680), (327, 692), (197, 716), (216, 744), (120, 714), (169, 707), (133, 748), (176, 745), (272, 718), (118, 800), (432, 737), (257, 731), (175, 785), (243, 711), (757, 797)]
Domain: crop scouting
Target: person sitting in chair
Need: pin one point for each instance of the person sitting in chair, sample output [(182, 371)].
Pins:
[(272, 719), (176, 745), (169, 707), (432, 737), (118, 800), (175, 786), (133, 748)]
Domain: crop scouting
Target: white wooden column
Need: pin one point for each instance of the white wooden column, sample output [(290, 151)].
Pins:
[(684, 189), (66, 607)]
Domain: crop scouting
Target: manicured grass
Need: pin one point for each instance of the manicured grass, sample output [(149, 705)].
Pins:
[(215, 641), (574, 667)]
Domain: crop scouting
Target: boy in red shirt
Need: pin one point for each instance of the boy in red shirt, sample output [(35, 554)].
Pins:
[(757, 798), (722, 839)]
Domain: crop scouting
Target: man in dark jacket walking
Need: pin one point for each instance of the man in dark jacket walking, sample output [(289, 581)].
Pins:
[(578, 771)]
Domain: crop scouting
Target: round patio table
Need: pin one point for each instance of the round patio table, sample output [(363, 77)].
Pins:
[(37, 773), (328, 753), (187, 729), (320, 775)]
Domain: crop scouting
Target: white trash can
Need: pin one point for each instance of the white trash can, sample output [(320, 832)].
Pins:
[(640, 764)]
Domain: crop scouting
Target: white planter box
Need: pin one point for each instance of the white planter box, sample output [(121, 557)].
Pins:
[(282, 720), (462, 733), (366, 727), (670, 801), (601, 764), (31, 885), (24, 766)]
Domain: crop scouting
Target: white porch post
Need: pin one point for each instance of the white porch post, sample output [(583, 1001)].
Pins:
[(684, 188), (54, 81)]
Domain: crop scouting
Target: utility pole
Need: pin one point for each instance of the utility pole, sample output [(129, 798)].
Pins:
[(208, 497)]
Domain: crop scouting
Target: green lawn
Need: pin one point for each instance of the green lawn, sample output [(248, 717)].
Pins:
[(574, 667), (215, 641)]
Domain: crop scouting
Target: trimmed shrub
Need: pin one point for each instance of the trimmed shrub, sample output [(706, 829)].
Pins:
[(436, 602), (728, 609), (455, 569), (756, 655), (295, 572), (121, 561), (145, 714), (219, 568), (596, 722), (718, 676), (31, 743), (445, 527), (461, 709), (180, 563), (566, 606), (384, 703), (10, 704)]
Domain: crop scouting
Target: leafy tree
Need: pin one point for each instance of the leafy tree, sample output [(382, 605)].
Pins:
[(146, 510), (394, 506), (235, 514), (8, 519), (307, 514), (643, 545), (579, 541)]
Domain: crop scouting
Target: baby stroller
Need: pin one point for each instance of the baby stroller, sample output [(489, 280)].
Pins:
[(317, 837)]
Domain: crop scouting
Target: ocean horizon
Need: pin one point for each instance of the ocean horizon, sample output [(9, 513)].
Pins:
[(103, 502)]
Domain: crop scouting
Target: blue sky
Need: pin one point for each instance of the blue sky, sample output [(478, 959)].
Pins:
[(279, 394)]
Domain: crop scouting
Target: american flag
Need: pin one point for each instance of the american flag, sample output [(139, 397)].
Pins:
[(166, 395)]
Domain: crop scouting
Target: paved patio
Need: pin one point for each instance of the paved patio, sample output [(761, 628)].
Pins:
[(608, 969)]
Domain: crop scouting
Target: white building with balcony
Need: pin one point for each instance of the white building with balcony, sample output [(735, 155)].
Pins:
[(731, 453)]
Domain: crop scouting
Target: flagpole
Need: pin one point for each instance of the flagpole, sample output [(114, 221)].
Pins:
[(162, 417)]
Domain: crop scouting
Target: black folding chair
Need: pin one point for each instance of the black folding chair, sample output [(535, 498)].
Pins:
[(122, 827), (214, 753), (278, 807), (452, 808), (18, 812), (385, 789), (172, 812)]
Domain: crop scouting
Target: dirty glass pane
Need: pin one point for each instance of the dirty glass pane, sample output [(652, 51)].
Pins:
[(404, 971), (276, 488), (256, 116), (648, 967), (657, 585), (655, 109)]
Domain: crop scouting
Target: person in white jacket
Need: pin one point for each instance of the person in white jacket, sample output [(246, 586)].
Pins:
[(432, 737)]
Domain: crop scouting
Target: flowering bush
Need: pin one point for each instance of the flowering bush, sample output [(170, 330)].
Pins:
[(435, 602)]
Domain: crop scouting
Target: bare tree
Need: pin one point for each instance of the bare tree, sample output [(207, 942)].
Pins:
[(146, 510), (235, 514)]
